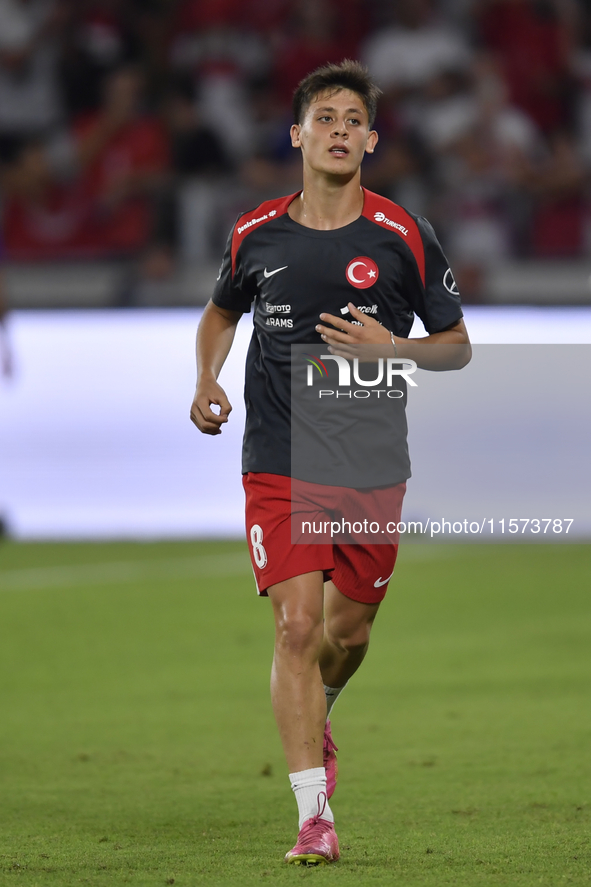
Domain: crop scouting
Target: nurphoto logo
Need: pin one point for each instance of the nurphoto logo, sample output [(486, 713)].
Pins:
[(387, 372)]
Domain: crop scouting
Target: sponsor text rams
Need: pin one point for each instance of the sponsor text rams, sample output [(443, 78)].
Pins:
[(285, 322)]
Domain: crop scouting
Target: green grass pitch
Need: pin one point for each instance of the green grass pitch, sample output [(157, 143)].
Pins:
[(137, 742)]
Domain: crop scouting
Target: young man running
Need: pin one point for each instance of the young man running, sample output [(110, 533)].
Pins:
[(304, 260)]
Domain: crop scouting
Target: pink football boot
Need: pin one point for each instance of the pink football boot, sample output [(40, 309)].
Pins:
[(317, 841), (329, 761)]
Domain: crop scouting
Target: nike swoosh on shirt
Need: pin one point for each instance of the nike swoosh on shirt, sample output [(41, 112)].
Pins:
[(276, 271), (381, 581)]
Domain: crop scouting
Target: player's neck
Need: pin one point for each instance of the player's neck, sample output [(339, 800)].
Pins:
[(327, 205)]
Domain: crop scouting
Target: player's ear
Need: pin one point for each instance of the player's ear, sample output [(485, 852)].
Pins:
[(295, 132), (372, 140)]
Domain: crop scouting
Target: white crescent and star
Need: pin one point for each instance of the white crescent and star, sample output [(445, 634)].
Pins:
[(352, 268), (369, 275)]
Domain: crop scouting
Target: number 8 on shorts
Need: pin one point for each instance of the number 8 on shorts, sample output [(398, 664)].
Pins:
[(258, 549)]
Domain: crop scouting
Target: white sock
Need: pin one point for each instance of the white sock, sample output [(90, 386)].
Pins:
[(309, 788), (332, 694)]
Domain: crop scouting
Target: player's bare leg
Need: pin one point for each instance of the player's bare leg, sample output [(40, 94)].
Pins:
[(347, 627), (296, 685), (299, 704)]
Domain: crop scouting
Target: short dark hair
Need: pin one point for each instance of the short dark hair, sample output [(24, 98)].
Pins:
[(348, 74)]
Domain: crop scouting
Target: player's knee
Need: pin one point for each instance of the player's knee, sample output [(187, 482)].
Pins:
[(299, 633)]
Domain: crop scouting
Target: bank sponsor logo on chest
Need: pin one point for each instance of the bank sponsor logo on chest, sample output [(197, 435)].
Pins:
[(362, 272), (257, 221)]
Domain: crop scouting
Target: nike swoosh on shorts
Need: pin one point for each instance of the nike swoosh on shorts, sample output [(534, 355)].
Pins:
[(271, 273), (381, 581)]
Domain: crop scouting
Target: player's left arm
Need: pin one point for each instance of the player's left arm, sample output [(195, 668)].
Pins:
[(368, 340)]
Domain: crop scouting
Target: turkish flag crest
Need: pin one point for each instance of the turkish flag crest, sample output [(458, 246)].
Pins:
[(362, 272)]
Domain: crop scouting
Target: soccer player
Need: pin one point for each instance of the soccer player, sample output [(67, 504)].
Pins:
[(338, 267)]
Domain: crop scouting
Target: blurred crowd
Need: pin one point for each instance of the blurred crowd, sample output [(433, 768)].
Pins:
[(140, 128)]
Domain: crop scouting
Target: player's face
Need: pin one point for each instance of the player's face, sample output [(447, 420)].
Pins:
[(335, 134)]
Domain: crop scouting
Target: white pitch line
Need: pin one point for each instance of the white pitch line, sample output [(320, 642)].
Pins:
[(117, 572)]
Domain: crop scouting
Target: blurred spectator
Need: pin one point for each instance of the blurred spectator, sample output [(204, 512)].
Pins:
[(532, 40), (416, 48), (557, 186), (399, 169), (318, 32), (98, 38), (190, 212), (222, 58), (275, 166), (485, 151), (196, 149), (101, 201), (30, 101), (417, 59)]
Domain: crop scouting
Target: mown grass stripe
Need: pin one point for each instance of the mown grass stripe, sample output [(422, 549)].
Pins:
[(38, 578)]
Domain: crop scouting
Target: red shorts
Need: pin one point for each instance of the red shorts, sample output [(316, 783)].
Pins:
[(359, 571)]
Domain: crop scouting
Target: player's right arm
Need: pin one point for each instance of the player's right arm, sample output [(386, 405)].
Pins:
[(214, 340), (233, 294)]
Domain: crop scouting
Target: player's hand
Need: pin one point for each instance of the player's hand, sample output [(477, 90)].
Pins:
[(351, 340), (209, 394)]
